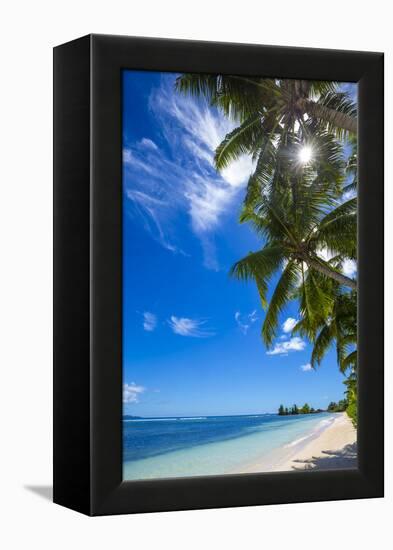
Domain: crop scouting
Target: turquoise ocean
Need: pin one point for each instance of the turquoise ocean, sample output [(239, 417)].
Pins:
[(213, 445)]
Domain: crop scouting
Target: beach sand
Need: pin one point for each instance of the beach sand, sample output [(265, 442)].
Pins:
[(332, 448)]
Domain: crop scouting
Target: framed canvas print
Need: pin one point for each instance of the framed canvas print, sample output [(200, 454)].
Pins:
[(218, 275)]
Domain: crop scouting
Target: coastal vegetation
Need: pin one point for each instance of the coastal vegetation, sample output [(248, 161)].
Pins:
[(341, 406), (306, 409), (349, 404), (301, 202)]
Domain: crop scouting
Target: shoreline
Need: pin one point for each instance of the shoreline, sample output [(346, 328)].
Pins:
[(329, 443), (330, 447)]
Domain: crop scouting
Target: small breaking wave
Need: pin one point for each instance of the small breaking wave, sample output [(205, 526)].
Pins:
[(193, 418), (296, 441), (320, 427)]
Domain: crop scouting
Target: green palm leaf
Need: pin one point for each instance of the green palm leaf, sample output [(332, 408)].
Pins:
[(322, 343), (282, 294), (238, 142), (259, 266), (349, 361), (340, 236)]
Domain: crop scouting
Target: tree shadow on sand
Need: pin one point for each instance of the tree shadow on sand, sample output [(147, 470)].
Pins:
[(344, 458)]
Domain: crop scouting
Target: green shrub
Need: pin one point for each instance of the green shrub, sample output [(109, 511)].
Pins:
[(352, 412)]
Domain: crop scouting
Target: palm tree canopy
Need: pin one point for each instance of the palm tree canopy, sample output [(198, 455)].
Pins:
[(240, 96), (299, 226), (303, 212)]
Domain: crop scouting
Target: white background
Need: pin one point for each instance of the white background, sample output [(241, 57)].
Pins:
[(28, 31)]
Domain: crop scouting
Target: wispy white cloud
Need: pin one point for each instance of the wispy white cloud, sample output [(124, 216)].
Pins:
[(349, 268), (244, 322), (238, 172), (348, 195), (189, 327), (132, 160), (202, 131), (288, 325), (152, 210), (206, 202), (325, 253), (201, 152), (180, 177), (283, 348), (144, 199), (131, 392), (149, 321), (210, 260), (306, 368), (146, 142)]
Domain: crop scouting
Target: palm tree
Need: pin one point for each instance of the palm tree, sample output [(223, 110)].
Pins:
[(341, 328), (352, 167), (305, 409), (269, 112), (299, 221), (351, 394), (298, 209), (330, 318), (326, 318), (278, 119), (276, 100)]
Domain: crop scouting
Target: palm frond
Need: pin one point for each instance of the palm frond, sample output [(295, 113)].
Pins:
[(349, 361), (238, 142), (238, 97), (322, 344), (340, 235), (259, 266), (335, 112), (282, 294), (347, 207), (316, 302)]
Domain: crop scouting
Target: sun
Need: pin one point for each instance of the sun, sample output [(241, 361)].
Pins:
[(305, 154)]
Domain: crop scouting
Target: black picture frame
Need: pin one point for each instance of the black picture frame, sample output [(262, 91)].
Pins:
[(88, 275)]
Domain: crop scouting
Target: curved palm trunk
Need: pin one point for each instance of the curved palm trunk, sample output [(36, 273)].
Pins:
[(340, 120), (328, 272)]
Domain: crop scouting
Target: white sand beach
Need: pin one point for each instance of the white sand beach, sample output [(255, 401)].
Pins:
[(332, 448)]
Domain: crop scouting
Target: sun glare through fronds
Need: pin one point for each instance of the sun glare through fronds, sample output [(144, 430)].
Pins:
[(305, 154)]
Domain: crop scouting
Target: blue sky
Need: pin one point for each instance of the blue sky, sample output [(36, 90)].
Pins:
[(191, 334)]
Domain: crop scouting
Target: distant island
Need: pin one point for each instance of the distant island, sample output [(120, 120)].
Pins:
[(131, 417), (341, 406)]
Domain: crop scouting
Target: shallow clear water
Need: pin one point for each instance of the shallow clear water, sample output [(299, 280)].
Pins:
[(181, 447)]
